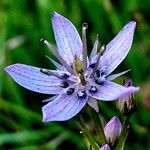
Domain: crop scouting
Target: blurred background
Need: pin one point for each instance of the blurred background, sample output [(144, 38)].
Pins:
[(22, 24)]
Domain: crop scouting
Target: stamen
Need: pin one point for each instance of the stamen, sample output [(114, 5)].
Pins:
[(95, 47), (55, 52), (70, 91), (93, 89), (64, 84), (84, 40), (81, 93), (49, 45), (58, 66), (49, 72), (96, 66), (97, 62), (45, 71)]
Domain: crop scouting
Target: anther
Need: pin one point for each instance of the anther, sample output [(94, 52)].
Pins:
[(64, 84), (81, 94), (70, 91), (93, 89)]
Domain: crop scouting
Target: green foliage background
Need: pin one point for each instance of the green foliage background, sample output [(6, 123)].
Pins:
[(22, 24)]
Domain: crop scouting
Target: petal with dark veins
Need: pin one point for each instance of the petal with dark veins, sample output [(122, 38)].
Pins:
[(64, 107), (110, 91), (118, 48), (67, 38), (33, 79)]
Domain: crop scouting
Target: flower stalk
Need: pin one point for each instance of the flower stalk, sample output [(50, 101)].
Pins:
[(98, 127), (124, 134), (91, 143)]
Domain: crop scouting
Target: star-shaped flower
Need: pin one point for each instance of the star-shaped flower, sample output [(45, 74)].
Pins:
[(78, 78)]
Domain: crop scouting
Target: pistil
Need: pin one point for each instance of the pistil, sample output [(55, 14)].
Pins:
[(78, 68)]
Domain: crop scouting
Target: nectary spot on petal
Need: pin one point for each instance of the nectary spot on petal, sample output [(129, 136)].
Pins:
[(98, 73), (92, 65), (64, 84), (81, 94), (70, 91), (99, 82), (93, 89), (65, 76)]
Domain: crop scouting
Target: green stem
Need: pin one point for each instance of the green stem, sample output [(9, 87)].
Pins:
[(124, 134), (98, 127), (87, 135)]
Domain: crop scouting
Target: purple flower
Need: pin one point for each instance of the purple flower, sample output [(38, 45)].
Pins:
[(112, 130), (78, 78), (105, 147), (126, 104)]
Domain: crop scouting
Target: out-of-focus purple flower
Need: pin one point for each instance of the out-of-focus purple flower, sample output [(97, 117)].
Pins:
[(77, 78), (112, 130), (126, 104), (105, 147)]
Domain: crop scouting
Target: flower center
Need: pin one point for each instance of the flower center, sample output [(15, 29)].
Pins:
[(78, 68)]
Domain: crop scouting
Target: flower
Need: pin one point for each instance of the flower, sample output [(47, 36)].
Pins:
[(126, 104), (78, 78), (105, 147), (112, 130)]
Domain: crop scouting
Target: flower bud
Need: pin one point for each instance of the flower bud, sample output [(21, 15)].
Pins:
[(112, 130), (126, 105), (105, 147)]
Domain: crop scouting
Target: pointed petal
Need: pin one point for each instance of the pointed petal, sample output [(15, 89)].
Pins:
[(31, 78), (118, 48), (94, 104), (114, 76), (67, 38), (109, 91), (64, 107)]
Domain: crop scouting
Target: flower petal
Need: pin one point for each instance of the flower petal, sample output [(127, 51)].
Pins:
[(109, 91), (93, 103), (63, 107), (67, 38), (31, 78), (118, 48)]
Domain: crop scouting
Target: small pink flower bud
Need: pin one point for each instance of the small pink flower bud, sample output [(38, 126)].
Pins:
[(126, 105), (112, 130), (105, 147)]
